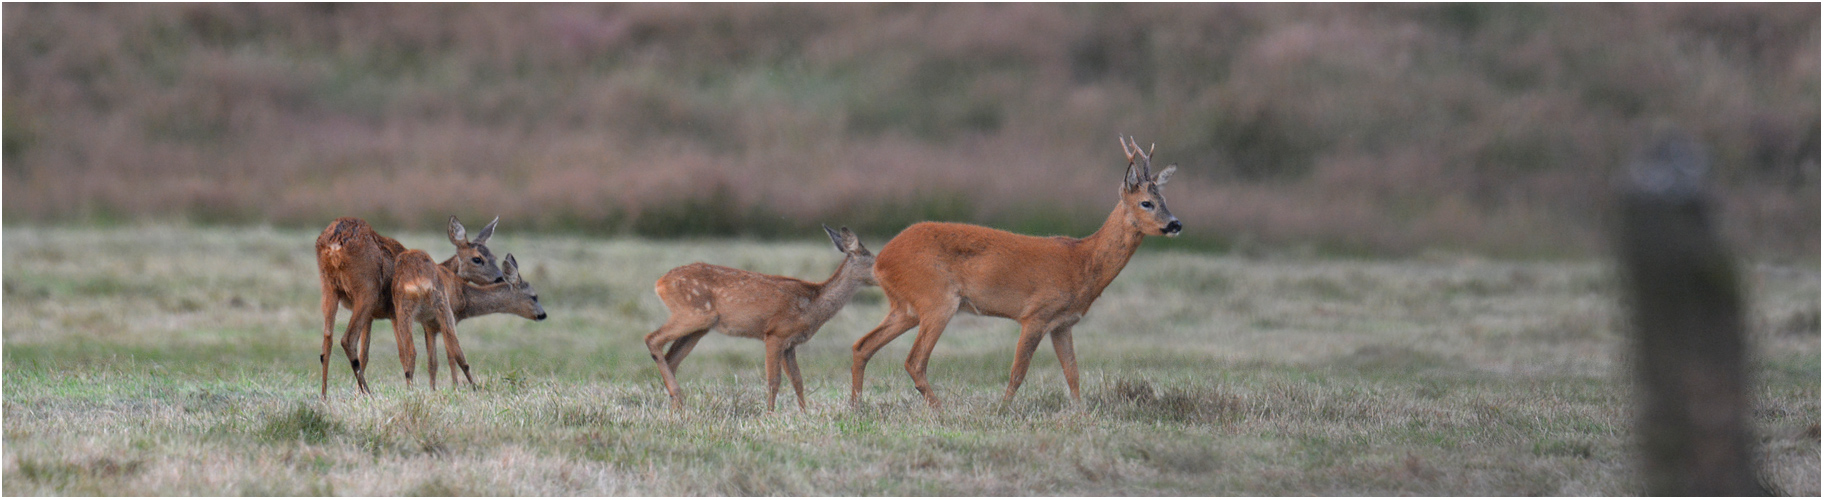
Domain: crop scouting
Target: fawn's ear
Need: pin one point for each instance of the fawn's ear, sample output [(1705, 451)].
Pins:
[(459, 235), (851, 243), (1165, 175), (486, 232), (836, 237), (509, 268)]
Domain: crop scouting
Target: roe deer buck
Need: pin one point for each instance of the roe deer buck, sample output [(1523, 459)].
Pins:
[(355, 266), (783, 312), (437, 298), (932, 270)]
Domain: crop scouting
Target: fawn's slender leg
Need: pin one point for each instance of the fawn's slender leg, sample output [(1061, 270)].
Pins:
[(681, 348), (402, 335), (354, 343), (454, 348), (775, 358), (674, 329), (330, 305), (431, 332), (791, 369)]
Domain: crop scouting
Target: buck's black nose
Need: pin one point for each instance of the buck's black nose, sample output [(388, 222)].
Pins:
[(541, 316), (1173, 227)]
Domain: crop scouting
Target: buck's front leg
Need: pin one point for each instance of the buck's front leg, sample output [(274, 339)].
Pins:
[(1031, 332), (1067, 359)]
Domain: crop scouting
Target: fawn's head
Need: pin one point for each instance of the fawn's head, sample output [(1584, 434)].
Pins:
[(859, 260), (525, 298), (474, 262), (1140, 198)]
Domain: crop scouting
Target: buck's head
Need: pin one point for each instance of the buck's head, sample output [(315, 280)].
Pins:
[(525, 298), (1140, 198), (474, 262), (859, 262)]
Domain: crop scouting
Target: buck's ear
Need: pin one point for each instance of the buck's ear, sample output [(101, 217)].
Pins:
[(1165, 175), (458, 234), (1133, 177), (486, 232)]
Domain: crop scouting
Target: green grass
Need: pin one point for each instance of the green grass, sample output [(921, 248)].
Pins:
[(179, 361)]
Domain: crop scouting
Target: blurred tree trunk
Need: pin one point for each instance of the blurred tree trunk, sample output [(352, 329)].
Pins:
[(1687, 314)]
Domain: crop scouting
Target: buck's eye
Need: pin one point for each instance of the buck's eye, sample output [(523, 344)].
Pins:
[(1146, 205), (535, 298), (476, 260)]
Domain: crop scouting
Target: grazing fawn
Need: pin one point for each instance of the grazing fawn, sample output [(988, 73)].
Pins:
[(783, 312), (437, 298), (932, 270), (355, 266)]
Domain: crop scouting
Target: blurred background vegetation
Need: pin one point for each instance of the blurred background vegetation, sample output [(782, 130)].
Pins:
[(1385, 129)]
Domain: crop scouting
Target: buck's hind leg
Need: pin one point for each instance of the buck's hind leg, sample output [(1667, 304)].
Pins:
[(898, 321), (930, 327)]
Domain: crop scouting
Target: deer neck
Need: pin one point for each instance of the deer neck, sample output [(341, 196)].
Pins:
[(835, 292), (1109, 249), (480, 300)]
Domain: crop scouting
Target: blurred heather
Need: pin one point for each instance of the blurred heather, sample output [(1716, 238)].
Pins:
[(1349, 128)]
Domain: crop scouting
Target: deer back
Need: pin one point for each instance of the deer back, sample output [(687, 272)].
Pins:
[(996, 272), (743, 302), (356, 261), (420, 284)]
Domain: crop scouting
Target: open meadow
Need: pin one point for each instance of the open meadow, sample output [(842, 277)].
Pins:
[(170, 360)]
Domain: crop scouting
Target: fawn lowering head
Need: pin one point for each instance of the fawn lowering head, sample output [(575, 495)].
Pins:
[(526, 298), (473, 262), (1140, 198)]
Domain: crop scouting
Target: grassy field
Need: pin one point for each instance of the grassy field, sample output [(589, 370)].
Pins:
[(180, 361)]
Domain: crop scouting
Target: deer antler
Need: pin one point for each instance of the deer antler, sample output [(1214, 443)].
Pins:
[(1146, 166), (1124, 148), (1144, 155)]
